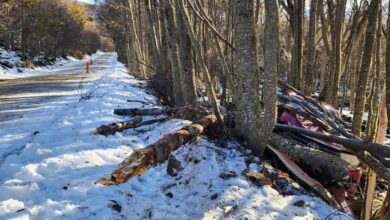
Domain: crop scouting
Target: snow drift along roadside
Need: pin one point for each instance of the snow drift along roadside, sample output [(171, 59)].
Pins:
[(14, 59), (55, 160)]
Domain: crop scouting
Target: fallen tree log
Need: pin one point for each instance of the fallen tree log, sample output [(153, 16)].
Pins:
[(143, 159), (375, 164), (202, 108), (331, 166), (303, 176), (148, 111), (124, 125), (354, 144)]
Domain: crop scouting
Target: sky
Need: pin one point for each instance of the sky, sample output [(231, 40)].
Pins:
[(88, 1)]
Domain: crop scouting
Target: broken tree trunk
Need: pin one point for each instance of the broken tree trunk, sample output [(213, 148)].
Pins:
[(327, 164), (143, 159), (140, 112), (302, 175), (354, 144), (190, 113), (124, 125)]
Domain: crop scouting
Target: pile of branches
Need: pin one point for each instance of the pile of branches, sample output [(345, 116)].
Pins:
[(310, 139), (314, 136)]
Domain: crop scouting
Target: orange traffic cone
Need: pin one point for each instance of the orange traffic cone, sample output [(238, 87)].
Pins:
[(87, 67)]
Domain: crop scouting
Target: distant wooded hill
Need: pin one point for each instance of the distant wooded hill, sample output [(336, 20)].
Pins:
[(48, 28)]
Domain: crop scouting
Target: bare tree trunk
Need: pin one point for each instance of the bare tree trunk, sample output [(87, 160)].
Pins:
[(377, 121), (381, 127), (249, 110), (310, 74), (358, 60), (348, 67), (186, 61), (135, 41), (152, 38), (360, 99), (377, 88), (384, 211), (173, 54), (295, 77), (271, 68), (162, 42), (324, 27), (199, 55), (335, 58), (129, 39), (388, 68), (324, 36)]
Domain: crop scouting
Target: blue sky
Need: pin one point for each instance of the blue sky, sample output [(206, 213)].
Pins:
[(87, 1)]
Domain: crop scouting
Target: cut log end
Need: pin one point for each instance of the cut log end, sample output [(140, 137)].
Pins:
[(136, 164)]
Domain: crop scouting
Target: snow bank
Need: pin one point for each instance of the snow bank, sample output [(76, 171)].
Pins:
[(17, 72), (49, 160)]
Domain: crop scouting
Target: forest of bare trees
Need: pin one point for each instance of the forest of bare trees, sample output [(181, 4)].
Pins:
[(48, 29), (230, 56)]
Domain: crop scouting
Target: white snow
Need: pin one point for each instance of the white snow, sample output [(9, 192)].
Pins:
[(51, 174), (347, 112), (61, 64)]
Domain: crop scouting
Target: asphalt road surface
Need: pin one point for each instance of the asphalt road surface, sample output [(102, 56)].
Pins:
[(18, 96)]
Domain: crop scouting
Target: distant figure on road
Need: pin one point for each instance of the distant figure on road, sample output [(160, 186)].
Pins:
[(90, 61), (87, 66)]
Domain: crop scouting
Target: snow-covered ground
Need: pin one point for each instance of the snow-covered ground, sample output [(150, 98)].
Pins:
[(347, 112), (49, 161), (16, 72)]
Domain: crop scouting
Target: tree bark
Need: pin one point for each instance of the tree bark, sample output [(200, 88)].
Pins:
[(152, 38), (140, 112), (124, 125), (388, 69), (335, 58), (309, 76), (295, 78), (371, 176), (374, 103), (360, 99), (143, 159), (324, 27), (186, 56), (271, 67), (354, 144), (173, 54), (249, 110), (324, 163), (140, 71), (303, 176), (357, 145)]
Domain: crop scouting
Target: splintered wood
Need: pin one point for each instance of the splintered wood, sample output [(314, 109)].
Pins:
[(143, 159)]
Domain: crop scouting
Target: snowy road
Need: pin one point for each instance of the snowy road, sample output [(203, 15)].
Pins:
[(50, 158), (18, 96)]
